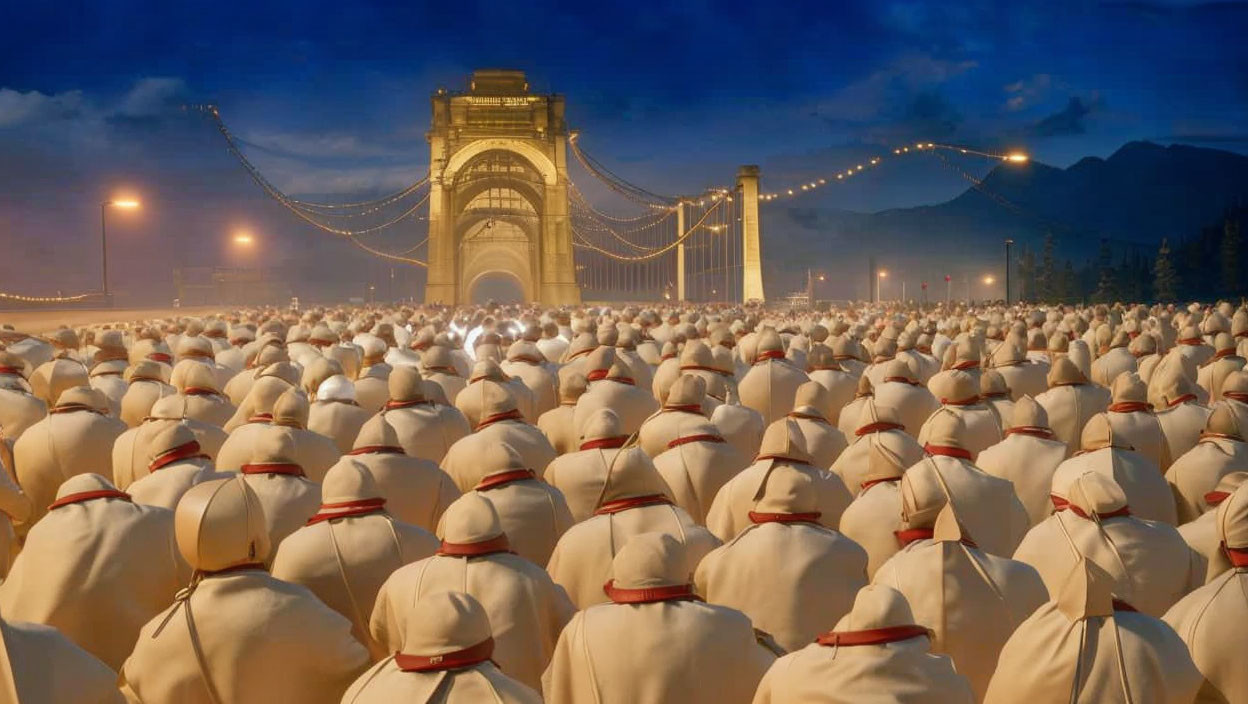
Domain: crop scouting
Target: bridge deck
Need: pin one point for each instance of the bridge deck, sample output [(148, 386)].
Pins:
[(41, 321)]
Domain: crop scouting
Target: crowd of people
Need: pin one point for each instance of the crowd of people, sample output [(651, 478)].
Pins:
[(631, 504)]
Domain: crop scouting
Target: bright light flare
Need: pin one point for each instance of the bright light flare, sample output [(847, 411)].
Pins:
[(126, 203), (1018, 158), (989, 280), (244, 239), (882, 274)]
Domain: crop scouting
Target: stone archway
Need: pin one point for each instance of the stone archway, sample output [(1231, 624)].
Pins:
[(497, 286), (499, 191)]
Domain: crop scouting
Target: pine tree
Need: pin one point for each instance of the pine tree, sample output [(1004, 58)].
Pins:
[(1027, 275), (1067, 289), (1165, 279), (1228, 256), (1104, 292), (1046, 280)]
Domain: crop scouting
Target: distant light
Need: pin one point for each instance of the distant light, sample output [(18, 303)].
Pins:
[(1017, 158), (821, 278), (989, 280), (882, 274), (244, 239), (124, 203)]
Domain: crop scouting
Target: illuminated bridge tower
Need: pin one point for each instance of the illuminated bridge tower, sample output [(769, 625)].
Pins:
[(752, 257), (498, 200)]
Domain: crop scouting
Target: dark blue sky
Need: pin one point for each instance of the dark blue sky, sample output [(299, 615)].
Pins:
[(673, 95)]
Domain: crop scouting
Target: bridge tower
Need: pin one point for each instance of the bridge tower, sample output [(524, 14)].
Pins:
[(752, 257), (498, 199)]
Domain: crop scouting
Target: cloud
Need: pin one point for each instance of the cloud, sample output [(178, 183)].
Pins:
[(297, 178), (18, 109), (1024, 93), (903, 99), (1070, 120), (929, 113), (152, 97), (75, 117), (317, 145)]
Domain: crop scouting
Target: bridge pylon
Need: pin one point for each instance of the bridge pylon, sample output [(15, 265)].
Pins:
[(752, 258), (498, 202)]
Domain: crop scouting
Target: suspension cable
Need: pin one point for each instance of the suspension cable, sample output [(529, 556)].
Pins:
[(233, 140), (655, 253), (633, 192), (577, 193), (400, 257), (599, 227), (307, 216)]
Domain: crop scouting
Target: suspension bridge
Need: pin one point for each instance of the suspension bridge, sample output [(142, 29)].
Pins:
[(501, 199)]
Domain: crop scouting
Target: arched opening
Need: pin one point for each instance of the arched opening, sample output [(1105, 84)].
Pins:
[(497, 209), (497, 286)]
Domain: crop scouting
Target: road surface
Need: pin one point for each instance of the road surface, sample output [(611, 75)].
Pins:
[(36, 322)]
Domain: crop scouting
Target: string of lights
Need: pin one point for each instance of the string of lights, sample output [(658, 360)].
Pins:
[(393, 257), (656, 252), (1062, 230), (978, 184), (635, 193), (597, 227), (308, 216), (382, 205), (588, 223), (45, 299), (578, 196), (363, 231), (286, 201), (213, 112), (919, 147)]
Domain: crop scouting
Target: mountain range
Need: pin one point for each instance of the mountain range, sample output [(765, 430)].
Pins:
[(1140, 194)]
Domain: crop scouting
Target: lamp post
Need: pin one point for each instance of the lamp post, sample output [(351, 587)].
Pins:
[(811, 278), (879, 276), (1008, 243), (124, 204)]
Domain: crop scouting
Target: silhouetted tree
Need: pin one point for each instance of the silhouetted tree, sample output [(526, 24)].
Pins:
[(1027, 275), (1229, 257), (1104, 292), (1046, 279), (1068, 285), (1165, 279)]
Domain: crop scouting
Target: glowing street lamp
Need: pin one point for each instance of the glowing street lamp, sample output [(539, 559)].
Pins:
[(244, 239), (879, 276), (1017, 158), (124, 204)]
